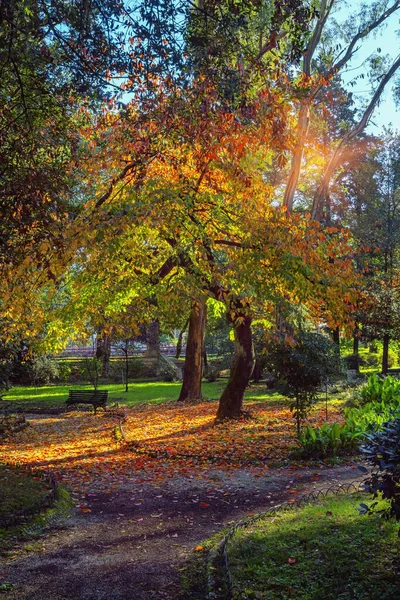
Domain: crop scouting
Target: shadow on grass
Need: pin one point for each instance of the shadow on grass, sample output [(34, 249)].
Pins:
[(318, 553)]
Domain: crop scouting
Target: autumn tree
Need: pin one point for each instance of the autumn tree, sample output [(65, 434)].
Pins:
[(55, 57), (377, 229), (179, 198), (199, 214)]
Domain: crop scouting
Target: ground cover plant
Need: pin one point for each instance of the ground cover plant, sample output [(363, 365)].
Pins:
[(321, 551), (377, 402)]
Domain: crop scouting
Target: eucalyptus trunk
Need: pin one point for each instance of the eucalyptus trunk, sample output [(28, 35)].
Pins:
[(193, 369), (231, 401)]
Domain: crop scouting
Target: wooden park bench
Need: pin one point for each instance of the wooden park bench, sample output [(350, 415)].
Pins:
[(96, 398)]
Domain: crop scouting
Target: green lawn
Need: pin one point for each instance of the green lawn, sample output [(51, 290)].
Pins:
[(139, 392), (323, 551)]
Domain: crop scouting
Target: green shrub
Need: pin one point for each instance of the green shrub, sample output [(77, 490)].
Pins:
[(44, 370), (353, 361), (212, 372), (391, 359), (379, 389), (329, 440), (302, 369), (94, 367), (64, 371), (167, 370), (379, 402)]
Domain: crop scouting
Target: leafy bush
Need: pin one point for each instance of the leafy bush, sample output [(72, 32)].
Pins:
[(373, 346), (382, 450), (167, 370), (212, 372), (94, 368), (392, 358), (379, 401), (377, 389), (303, 368), (64, 371), (329, 440), (43, 370)]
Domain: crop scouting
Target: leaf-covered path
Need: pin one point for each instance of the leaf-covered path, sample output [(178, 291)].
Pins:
[(137, 519)]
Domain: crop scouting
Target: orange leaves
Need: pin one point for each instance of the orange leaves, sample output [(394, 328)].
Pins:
[(173, 431), (170, 440)]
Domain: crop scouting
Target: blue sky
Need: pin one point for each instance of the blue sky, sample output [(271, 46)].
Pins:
[(389, 41)]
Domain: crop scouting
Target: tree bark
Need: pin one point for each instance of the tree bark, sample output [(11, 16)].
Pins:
[(303, 118), (304, 112), (193, 369), (153, 340), (356, 341), (302, 131), (180, 339), (231, 401), (126, 351), (336, 337), (385, 354), (257, 371), (103, 351)]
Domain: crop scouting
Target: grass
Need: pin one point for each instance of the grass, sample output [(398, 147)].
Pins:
[(34, 528), (54, 396), (321, 551), (18, 491)]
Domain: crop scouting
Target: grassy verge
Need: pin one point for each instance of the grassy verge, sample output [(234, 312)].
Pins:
[(33, 529), (19, 491), (321, 551)]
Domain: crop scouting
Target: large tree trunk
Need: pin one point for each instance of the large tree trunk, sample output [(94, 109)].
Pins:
[(231, 401), (103, 351), (193, 370), (153, 340), (385, 354)]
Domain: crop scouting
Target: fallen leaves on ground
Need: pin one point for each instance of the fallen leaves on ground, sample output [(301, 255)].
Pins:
[(189, 431), (80, 448)]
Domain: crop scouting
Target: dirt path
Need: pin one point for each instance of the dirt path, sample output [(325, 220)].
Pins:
[(130, 541)]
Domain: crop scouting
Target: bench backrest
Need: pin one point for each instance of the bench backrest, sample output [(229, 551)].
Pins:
[(89, 395)]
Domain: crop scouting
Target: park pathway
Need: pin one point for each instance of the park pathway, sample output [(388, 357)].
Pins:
[(131, 538)]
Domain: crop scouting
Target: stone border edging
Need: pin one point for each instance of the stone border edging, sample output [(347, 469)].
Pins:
[(218, 562)]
